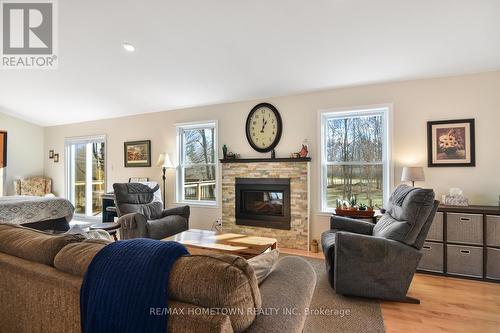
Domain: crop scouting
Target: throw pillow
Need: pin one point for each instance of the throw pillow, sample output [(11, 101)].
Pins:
[(264, 264)]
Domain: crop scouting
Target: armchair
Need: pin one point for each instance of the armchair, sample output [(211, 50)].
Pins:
[(34, 186), (379, 260), (140, 215)]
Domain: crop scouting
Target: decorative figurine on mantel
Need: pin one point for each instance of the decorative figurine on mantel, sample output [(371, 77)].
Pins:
[(304, 152), (224, 151), (228, 155), (232, 156)]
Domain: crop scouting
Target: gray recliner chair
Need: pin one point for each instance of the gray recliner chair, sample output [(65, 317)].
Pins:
[(379, 260), (140, 215)]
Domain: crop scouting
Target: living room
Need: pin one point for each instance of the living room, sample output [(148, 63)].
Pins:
[(326, 119)]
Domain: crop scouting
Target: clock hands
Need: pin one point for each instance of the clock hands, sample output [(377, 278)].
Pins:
[(264, 123)]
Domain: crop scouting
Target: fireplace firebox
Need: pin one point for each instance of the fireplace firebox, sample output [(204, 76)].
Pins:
[(263, 202)]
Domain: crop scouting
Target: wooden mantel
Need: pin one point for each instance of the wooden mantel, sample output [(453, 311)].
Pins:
[(265, 160)]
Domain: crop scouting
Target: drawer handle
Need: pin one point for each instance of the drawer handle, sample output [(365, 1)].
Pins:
[(465, 251), (427, 247), (465, 219)]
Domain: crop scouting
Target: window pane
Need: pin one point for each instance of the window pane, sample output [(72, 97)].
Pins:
[(86, 176), (199, 182), (97, 177), (354, 139), (349, 181), (199, 146), (80, 172)]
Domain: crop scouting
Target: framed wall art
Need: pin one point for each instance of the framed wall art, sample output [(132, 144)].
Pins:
[(137, 153), (451, 143)]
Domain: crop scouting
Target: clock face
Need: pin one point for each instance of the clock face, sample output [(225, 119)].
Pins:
[(264, 127)]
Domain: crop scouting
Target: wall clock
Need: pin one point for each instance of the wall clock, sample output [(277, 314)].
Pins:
[(264, 127)]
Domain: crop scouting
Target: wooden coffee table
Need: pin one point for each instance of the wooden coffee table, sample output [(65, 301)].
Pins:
[(205, 241)]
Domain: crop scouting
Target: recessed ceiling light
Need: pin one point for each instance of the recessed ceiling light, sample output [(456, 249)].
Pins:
[(128, 47)]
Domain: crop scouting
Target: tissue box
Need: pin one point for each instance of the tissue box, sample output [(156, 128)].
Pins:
[(455, 200)]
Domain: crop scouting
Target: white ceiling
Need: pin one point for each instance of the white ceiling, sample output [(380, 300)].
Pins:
[(204, 52)]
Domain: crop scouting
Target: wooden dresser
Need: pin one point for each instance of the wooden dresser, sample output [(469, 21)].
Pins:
[(464, 242)]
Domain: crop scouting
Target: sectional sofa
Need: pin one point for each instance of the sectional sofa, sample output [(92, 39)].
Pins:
[(41, 275)]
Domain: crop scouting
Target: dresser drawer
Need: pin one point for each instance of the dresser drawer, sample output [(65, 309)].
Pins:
[(493, 264), (493, 230), (436, 230), (432, 259), (464, 228), (465, 260)]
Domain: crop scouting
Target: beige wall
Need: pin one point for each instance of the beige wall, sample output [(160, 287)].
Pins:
[(25, 154), (414, 103)]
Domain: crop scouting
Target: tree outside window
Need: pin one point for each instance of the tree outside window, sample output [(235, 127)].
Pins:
[(353, 149), (198, 163)]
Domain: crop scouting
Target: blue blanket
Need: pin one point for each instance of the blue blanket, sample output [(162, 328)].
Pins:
[(124, 281)]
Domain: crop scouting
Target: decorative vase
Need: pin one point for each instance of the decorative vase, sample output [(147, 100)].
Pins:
[(224, 151)]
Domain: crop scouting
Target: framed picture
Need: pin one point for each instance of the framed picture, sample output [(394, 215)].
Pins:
[(56, 158), (3, 149), (137, 153), (451, 143), (51, 154)]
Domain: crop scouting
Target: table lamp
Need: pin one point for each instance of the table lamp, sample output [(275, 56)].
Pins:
[(412, 174)]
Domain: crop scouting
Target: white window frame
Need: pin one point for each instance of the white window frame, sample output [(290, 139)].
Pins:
[(386, 111), (179, 193), (68, 190)]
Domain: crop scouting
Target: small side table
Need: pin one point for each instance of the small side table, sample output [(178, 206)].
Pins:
[(111, 228), (108, 207)]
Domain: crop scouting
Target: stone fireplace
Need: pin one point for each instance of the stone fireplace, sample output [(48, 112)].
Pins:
[(267, 197)]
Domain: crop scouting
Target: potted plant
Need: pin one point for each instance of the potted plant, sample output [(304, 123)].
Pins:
[(353, 203), (362, 207), (339, 203)]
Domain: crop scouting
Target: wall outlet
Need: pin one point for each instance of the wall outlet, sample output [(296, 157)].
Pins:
[(217, 225)]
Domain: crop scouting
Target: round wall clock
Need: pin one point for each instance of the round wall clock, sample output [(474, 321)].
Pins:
[(264, 127)]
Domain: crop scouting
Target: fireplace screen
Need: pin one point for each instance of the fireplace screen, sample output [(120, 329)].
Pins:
[(263, 202)]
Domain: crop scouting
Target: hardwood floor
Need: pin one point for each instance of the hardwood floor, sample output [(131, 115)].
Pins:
[(447, 305)]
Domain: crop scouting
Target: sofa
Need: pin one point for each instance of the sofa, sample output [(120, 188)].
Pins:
[(379, 260), (41, 275)]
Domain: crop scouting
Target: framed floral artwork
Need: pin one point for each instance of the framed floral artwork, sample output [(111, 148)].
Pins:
[(451, 143)]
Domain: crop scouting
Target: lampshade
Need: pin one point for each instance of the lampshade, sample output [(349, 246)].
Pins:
[(164, 161), (412, 174)]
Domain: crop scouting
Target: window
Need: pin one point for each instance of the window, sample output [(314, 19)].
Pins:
[(354, 157), (197, 171), (86, 174)]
